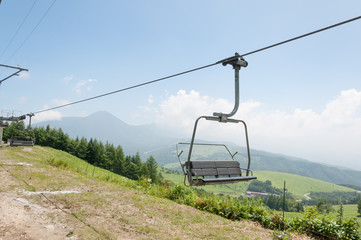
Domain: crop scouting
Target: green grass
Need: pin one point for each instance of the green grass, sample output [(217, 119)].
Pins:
[(109, 205), (349, 211), (299, 185), (295, 184), (51, 161)]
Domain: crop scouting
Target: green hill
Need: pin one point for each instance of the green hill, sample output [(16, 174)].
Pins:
[(264, 161), (161, 144), (49, 194), (299, 185), (295, 184)]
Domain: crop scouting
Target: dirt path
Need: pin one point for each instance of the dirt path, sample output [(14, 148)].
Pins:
[(307, 196), (39, 201), (22, 219)]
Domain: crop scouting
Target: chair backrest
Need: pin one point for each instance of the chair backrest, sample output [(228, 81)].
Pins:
[(215, 168)]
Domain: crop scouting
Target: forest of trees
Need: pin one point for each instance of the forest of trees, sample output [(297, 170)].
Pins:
[(275, 200), (106, 155)]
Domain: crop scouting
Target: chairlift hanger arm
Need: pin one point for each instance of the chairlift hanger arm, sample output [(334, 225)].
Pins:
[(237, 62)]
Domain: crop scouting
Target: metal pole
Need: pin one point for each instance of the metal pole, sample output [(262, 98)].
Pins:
[(248, 149), (1, 136), (236, 92), (30, 115), (14, 74), (190, 151), (283, 208)]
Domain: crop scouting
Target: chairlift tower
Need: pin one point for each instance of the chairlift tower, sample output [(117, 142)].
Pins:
[(2, 126), (19, 69)]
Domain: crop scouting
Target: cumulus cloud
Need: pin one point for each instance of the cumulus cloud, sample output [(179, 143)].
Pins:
[(182, 110), (52, 114), (46, 116), (330, 136)]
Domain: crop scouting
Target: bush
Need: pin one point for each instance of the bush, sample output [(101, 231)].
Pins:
[(253, 209), (57, 163), (312, 224)]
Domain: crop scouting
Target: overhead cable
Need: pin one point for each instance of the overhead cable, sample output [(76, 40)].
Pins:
[(302, 36), (127, 88), (16, 33), (224, 61), (32, 31)]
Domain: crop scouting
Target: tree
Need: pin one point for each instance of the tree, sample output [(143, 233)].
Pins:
[(153, 170), (118, 162), (324, 207), (72, 145), (61, 140), (40, 136), (136, 162), (81, 148), (127, 167), (340, 213), (109, 156), (15, 129), (359, 207), (90, 153)]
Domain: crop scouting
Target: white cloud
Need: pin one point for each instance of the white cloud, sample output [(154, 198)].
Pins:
[(52, 114), (182, 110), (150, 99), (24, 74), (59, 102), (332, 136), (343, 109), (84, 84), (67, 79), (46, 116)]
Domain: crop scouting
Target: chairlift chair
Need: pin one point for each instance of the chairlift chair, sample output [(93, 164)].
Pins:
[(21, 141), (207, 172), (25, 139)]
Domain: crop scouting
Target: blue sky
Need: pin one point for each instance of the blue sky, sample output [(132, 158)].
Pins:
[(301, 99)]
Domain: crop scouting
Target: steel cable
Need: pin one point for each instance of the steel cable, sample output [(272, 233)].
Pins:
[(203, 67)]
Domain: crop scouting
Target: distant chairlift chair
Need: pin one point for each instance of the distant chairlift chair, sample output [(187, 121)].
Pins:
[(21, 141), (199, 172)]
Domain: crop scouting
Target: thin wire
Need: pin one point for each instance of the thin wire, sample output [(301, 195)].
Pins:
[(302, 36), (17, 31), (224, 61), (127, 88), (32, 31)]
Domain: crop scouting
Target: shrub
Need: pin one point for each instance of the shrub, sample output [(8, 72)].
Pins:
[(57, 163), (312, 224)]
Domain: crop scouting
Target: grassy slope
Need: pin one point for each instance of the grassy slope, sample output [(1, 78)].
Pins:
[(110, 206), (297, 185)]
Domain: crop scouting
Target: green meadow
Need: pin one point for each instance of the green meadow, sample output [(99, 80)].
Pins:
[(295, 184)]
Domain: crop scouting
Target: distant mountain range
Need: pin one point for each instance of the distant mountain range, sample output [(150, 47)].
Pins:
[(160, 143), (106, 127)]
